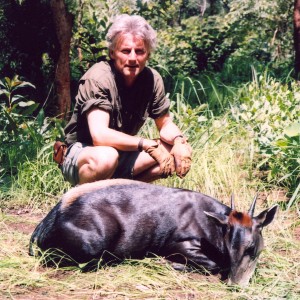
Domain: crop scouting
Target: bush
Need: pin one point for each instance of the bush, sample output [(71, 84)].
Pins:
[(271, 110), (23, 139)]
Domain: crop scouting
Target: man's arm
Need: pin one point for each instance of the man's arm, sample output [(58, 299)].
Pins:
[(102, 135), (181, 150), (168, 130)]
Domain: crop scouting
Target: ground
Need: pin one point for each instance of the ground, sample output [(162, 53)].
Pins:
[(23, 277)]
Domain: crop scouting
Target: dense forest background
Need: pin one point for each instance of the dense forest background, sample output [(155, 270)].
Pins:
[(237, 58), (195, 37), (231, 70)]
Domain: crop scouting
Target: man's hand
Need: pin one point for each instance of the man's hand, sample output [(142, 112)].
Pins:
[(163, 157), (182, 152)]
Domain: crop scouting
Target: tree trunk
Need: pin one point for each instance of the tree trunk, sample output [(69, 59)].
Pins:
[(63, 21), (297, 37)]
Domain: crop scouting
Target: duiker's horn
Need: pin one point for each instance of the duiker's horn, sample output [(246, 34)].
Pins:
[(232, 202), (252, 207)]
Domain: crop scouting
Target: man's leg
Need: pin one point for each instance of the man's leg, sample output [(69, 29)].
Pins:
[(91, 163), (96, 163)]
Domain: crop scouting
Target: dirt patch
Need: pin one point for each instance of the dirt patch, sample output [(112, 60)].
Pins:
[(297, 233), (205, 278), (278, 196), (22, 220), (21, 226)]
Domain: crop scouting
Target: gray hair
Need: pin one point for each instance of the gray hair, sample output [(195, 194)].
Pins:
[(135, 25)]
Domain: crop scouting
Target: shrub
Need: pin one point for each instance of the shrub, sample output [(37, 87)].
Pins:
[(24, 136), (271, 110)]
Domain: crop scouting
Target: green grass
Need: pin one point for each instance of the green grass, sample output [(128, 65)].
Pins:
[(222, 164), (276, 277), (225, 157)]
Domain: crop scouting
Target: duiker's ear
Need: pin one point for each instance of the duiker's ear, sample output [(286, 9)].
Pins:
[(223, 219), (267, 216)]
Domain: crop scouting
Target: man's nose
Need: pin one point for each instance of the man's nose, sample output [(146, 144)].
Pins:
[(132, 55)]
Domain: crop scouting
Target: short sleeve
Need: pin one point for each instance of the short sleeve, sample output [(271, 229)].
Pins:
[(91, 94), (161, 103)]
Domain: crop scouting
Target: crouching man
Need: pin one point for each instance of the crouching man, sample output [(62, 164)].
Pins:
[(114, 100)]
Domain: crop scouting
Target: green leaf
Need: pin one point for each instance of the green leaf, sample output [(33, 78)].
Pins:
[(16, 98), (25, 104), (294, 197), (12, 122), (282, 143), (293, 130), (30, 109), (26, 84), (4, 92), (40, 117)]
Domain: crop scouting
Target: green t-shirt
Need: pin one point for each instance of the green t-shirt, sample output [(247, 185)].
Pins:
[(101, 86)]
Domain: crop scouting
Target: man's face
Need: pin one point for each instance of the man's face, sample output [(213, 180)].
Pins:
[(130, 57)]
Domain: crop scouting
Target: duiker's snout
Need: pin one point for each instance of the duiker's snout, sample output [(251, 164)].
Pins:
[(241, 274)]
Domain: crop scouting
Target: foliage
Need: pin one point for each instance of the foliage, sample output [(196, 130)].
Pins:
[(88, 42), (271, 110), (187, 108), (288, 148), (243, 33), (27, 37), (192, 37), (161, 13), (14, 108), (189, 42), (258, 32), (175, 52), (13, 102), (22, 135), (229, 36)]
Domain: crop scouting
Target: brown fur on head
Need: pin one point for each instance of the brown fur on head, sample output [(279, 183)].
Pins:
[(243, 219)]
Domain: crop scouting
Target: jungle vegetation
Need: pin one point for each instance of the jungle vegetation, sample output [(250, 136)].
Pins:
[(231, 70), (235, 59)]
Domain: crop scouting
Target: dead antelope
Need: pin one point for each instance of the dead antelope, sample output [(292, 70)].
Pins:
[(128, 219)]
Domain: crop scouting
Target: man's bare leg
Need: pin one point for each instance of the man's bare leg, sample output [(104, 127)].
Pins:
[(97, 163)]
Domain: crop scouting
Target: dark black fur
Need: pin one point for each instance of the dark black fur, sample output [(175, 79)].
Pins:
[(136, 220)]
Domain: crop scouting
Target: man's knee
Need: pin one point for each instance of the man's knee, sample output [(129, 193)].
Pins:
[(104, 158), (96, 163)]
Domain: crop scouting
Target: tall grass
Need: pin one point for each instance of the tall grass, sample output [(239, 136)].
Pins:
[(271, 111), (196, 106), (225, 156), (222, 162), (40, 178), (29, 174)]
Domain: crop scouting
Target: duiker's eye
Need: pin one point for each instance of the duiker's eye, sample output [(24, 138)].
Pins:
[(250, 251)]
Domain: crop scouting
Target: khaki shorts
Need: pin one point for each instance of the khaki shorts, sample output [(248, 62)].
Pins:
[(69, 167)]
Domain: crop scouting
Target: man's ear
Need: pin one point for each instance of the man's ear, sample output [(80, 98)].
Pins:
[(111, 54)]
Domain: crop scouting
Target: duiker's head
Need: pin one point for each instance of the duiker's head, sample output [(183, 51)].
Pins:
[(244, 241)]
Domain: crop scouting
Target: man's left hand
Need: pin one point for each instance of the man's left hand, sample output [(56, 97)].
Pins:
[(163, 157), (182, 152)]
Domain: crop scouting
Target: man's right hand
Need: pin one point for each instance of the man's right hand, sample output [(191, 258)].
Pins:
[(163, 157)]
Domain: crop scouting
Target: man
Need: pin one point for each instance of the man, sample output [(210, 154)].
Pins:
[(114, 100)]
